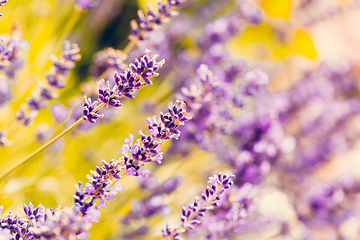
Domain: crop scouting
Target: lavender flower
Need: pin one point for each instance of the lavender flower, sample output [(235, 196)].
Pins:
[(147, 149), (169, 185), (34, 214), (41, 223), (106, 95), (134, 77), (228, 217), (62, 224), (216, 101), (18, 227), (152, 19), (102, 182), (142, 69), (191, 214), (90, 114), (15, 225)]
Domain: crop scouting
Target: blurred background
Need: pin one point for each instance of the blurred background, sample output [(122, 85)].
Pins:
[(308, 189)]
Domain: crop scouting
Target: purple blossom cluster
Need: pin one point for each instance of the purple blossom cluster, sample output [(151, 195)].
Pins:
[(55, 80), (217, 95), (134, 77), (66, 223), (73, 223), (41, 223), (216, 101), (147, 148), (13, 227), (254, 131), (192, 214), (102, 183), (229, 217), (152, 19), (99, 185), (262, 135)]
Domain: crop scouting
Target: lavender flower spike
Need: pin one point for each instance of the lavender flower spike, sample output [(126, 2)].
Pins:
[(134, 77), (102, 183), (61, 224), (147, 149), (191, 214), (147, 23)]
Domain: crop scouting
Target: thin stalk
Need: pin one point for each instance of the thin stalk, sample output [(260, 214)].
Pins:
[(128, 47), (40, 149), (207, 203)]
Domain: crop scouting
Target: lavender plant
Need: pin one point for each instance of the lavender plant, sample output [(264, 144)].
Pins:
[(73, 223), (263, 102), (192, 214)]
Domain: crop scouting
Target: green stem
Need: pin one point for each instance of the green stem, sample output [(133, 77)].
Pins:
[(40, 149), (128, 47)]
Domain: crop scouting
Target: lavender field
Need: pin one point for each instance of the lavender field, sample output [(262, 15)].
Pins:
[(180, 119)]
